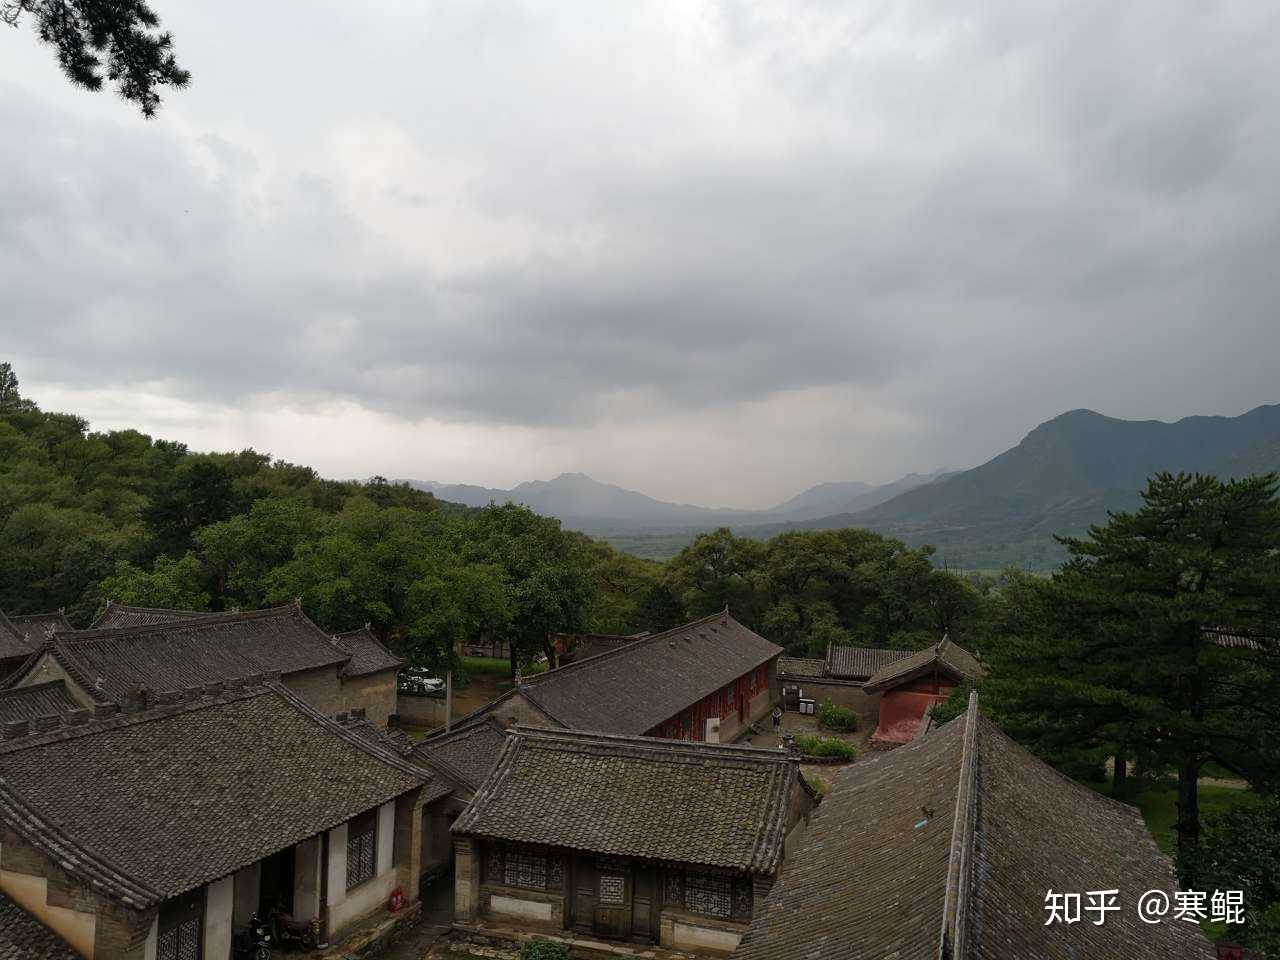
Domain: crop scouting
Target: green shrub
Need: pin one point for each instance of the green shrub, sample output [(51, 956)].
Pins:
[(826, 747), (837, 718), (539, 949), (818, 785)]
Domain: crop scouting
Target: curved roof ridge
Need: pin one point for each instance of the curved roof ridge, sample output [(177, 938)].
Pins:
[(187, 622), (54, 646), (647, 638)]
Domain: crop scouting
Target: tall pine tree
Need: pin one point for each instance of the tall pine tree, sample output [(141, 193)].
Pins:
[(1146, 609)]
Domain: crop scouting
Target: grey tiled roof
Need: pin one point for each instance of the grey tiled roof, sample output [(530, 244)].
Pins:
[(707, 804), (860, 663), (798, 667), (23, 937), (399, 744), (37, 625), (37, 700), (943, 655), (150, 805), (117, 615), (638, 685), (13, 642), (592, 644), (472, 748), (965, 817), (368, 655), (189, 652)]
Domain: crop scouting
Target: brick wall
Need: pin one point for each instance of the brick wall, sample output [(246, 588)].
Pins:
[(320, 687), (122, 933), (375, 692)]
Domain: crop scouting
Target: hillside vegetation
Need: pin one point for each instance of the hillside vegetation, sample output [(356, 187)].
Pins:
[(89, 516)]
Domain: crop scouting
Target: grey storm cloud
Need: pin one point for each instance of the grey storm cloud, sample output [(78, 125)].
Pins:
[(948, 205)]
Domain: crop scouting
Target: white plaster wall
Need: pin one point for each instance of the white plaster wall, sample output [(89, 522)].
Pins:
[(337, 885), (519, 907), (306, 879), (363, 900), (685, 936), (31, 893), (219, 906), (386, 835), (346, 906), (153, 936)]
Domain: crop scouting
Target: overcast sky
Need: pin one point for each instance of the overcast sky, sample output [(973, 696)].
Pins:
[(716, 252)]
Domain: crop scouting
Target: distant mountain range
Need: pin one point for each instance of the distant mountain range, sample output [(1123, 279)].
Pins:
[(1064, 475), (585, 504)]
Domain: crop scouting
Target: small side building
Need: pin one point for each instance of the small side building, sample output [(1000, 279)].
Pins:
[(154, 834), (627, 838), (110, 665), (887, 688), (907, 688)]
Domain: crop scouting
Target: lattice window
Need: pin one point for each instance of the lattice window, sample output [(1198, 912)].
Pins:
[(708, 894), (524, 869), (181, 941), (493, 865), (362, 849), (674, 894), (613, 888)]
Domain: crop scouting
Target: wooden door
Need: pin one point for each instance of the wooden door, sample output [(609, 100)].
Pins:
[(584, 895), (180, 931), (644, 891), (613, 901)]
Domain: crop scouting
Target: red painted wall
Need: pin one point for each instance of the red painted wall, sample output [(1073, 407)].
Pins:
[(901, 709), (691, 724)]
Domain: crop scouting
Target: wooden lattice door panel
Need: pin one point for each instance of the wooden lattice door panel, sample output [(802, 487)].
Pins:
[(180, 930)]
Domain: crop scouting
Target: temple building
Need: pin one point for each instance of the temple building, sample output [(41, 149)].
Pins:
[(154, 833), (947, 848), (110, 665), (20, 635), (704, 681), (626, 838), (891, 689)]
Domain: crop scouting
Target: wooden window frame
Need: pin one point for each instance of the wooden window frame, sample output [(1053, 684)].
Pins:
[(362, 849), (700, 887), (532, 864)]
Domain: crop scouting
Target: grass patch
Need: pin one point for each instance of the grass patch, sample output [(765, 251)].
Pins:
[(811, 746), (496, 666), (1159, 806)]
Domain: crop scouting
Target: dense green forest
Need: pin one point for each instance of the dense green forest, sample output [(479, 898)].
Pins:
[(87, 517)]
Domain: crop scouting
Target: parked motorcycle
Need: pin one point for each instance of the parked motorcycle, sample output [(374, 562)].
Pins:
[(291, 932), (253, 943)]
